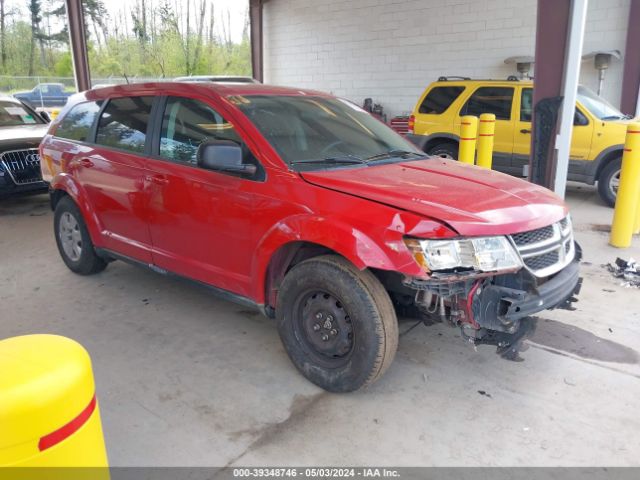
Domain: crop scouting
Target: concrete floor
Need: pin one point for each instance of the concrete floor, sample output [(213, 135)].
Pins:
[(186, 379)]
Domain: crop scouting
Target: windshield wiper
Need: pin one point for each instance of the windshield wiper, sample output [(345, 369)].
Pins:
[(393, 153), (346, 159), (615, 117)]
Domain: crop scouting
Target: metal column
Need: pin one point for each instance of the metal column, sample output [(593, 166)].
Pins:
[(559, 37), (257, 53), (570, 81), (630, 102), (78, 44)]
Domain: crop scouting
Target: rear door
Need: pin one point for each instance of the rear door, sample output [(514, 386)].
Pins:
[(113, 173), (431, 116), (200, 220), (499, 101)]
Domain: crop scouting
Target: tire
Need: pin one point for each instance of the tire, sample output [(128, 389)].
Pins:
[(73, 240), (328, 296), (607, 184), (446, 150)]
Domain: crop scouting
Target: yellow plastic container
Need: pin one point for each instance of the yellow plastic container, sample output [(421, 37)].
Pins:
[(49, 415)]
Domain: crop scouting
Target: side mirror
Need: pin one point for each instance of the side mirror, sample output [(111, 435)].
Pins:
[(223, 155), (45, 116)]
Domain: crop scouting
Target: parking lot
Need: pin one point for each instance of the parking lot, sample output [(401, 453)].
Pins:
[(184, 378)]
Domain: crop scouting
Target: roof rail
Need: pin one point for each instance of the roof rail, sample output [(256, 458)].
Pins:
[(453, 77)]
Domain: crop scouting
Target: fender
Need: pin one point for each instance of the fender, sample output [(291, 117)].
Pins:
[(68, 184), (340, 237), (595, 167), (421, 141)]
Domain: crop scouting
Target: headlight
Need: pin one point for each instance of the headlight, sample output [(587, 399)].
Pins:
[(483, 254)]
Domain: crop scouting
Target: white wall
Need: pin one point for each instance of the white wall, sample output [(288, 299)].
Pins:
[(391, 50)]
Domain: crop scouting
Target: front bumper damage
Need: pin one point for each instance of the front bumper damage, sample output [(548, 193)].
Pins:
[(494, 310)]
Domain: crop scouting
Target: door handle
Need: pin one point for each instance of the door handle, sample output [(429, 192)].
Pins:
[(525, 130), (158, 179), (83, 162)]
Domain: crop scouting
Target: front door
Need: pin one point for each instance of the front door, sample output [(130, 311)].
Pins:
[(580, 137), (200, 220)]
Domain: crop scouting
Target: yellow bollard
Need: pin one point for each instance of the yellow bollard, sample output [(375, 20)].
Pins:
[(624, 215), (636, 228), (54, 113), (49, 415), (468, 132), (486, 131)]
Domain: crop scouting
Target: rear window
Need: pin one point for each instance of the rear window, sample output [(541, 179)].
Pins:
[(123, 123), (13, 114), (77, 124), (439, 99), (496, 100)]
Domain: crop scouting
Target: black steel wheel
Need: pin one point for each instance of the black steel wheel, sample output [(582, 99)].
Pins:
[(322, 322), (337, 323)]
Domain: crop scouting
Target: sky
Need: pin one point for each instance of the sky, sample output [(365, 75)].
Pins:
[(236, 8)]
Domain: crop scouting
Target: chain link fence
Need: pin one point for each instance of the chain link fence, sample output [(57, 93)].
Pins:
[(10, 85)]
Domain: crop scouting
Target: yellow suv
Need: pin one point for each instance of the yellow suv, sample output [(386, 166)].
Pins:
[(598, 133)]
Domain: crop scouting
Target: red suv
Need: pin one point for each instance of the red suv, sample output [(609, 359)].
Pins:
[(308, 208)]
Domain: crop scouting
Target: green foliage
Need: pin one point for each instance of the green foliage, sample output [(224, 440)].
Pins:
[(151, 42)]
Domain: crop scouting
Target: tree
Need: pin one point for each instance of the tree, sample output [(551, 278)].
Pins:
[(35, 12), (3, 36)]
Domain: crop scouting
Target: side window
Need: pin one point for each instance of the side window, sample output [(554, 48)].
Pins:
[(186, 124), (123, 123), (579, 118), (496, 100), (526, 105), (526, 109), (76, 125), (439, 99)]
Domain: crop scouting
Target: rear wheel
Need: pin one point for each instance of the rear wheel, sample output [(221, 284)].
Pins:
[(73, 240), (609, 181), (337, 323), (445, 150)]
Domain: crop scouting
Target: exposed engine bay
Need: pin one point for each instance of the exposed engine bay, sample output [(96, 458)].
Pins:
[(490, 310)]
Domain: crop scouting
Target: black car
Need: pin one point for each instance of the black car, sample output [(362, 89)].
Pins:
[(21, 130)]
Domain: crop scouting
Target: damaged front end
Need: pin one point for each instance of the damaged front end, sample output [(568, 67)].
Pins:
[(533, 271)]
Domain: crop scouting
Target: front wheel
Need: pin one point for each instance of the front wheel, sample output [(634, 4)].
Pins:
[(337, 323), (609, 181)]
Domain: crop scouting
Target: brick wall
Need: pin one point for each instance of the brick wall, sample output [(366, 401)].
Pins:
[(391, 50)]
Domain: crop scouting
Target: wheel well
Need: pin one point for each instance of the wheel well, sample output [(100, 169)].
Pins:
[(606, 160), (55, 196), (283, 260), (437, 141)]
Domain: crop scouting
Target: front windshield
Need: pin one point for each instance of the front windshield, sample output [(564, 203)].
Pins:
[(13, 114), (311, 132), (598, 106)]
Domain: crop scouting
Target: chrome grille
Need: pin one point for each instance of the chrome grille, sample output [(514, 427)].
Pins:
[(534, 236), (547, 250), (23, 166)]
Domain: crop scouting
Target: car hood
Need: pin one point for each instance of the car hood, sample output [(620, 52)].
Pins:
[(471, 200), (22, 136)]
